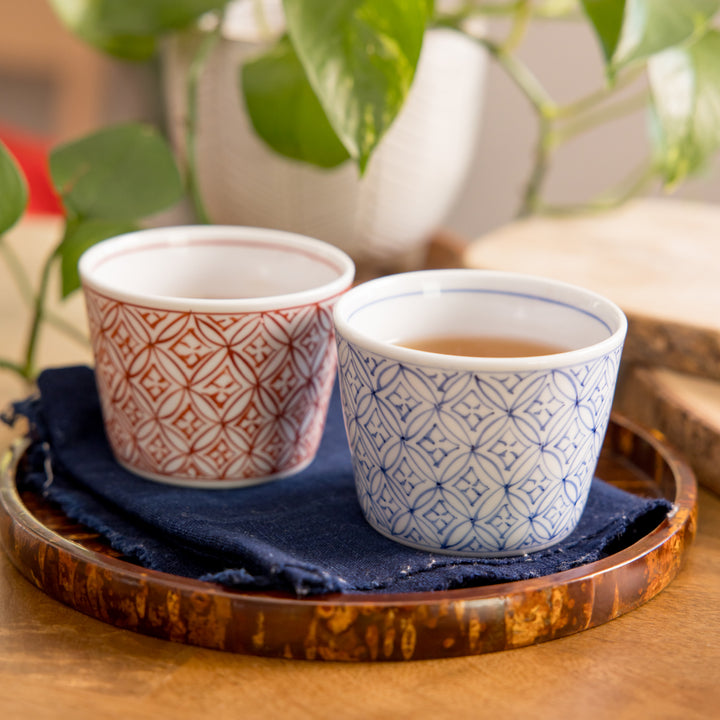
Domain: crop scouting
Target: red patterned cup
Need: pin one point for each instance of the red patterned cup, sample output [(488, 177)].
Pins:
[(214, 350)]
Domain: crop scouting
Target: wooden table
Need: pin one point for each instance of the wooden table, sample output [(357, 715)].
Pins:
[(661, 660)]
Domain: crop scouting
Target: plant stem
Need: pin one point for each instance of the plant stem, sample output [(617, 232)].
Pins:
[(602, 115), (17, 272), (628, 188), (544, 108), (520, 20), (543, 148), (558, 10), (14, 367), (520, 74), (197, 66), (24, 286), (472, 9), (578, 117), (593, 99), (65, 327), (550, 10), (28, 370)]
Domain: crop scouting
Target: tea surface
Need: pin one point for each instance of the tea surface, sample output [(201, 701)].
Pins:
[(480, 346)]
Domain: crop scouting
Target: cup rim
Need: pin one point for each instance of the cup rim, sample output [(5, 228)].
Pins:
[(184, 235), (372, 289)]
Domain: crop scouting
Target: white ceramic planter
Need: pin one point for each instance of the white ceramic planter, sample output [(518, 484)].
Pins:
[(408, 189)]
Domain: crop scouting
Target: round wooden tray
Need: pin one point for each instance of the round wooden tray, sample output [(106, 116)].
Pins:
[(77, 567)]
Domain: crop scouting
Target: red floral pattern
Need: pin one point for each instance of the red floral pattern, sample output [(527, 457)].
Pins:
[(194, 397)]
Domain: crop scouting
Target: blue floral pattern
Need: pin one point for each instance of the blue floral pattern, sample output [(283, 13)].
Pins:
[(473, 463)]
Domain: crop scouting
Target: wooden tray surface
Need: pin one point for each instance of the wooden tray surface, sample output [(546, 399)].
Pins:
[(76, 567)]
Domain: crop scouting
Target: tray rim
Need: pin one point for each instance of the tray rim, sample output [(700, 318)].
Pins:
[(675, 532)]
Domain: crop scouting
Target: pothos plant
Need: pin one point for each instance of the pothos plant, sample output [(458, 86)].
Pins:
[(326, 92)]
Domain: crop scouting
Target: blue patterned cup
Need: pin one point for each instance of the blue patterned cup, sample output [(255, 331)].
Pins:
[(471, 455)]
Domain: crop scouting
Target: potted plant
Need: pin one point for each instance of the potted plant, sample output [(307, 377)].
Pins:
[(271, 137), (328, 90)]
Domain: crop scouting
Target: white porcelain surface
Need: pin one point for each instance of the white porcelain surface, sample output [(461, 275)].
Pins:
[(214, 354), (475, 456), (408, 188), (215, 267)]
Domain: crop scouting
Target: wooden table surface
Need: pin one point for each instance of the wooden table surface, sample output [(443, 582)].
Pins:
[(659, 661)]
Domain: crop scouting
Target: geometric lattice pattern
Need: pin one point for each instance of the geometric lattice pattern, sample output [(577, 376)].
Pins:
[(212, 396), (473, 462)]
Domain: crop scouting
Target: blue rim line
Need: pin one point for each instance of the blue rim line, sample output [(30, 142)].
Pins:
[(486, 292)]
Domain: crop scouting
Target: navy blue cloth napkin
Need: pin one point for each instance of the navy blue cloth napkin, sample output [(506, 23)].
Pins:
[(304, 534)]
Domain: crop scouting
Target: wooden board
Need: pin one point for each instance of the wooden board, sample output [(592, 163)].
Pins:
[(685, 408), (73, 566), (658, 259)]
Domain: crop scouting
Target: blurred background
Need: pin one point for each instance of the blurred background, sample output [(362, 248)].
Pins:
[(54, 88)]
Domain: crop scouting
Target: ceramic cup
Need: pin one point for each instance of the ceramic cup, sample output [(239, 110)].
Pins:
[(214, 352), (475, 456)]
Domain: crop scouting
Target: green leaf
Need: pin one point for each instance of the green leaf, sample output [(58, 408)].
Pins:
[(685, 85), (13, 190), (285, 111), (79, 236), (360, 58), (124, 47), (129, 28), (651, 26), (123, 172), (606, 17)]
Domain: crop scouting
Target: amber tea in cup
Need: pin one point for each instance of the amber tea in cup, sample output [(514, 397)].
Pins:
[(481, 346)]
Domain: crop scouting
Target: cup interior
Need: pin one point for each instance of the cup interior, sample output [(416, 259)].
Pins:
[(214, 263), (384, 312)]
